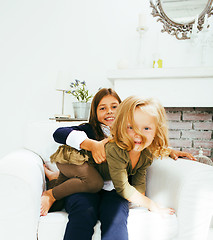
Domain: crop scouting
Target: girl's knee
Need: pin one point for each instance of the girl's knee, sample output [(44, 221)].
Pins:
[(100, 184), (96, 185), (94, 180)]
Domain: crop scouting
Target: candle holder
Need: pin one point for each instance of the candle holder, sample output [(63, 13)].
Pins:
[(141, 30), (199, 36), (140, 59)]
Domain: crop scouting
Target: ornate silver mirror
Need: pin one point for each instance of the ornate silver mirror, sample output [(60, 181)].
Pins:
[(178, 16)]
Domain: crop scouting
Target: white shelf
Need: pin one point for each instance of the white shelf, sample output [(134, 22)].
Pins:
[(174, 87), (158, 73)]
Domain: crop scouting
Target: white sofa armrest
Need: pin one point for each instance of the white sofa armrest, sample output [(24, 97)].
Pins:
[(22, 182), (186, 186)]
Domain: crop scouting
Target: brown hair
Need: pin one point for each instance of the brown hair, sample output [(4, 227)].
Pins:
[(93, 119), (125, 115)]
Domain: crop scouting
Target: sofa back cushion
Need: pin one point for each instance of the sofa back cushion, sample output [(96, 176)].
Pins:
[(38, 137)]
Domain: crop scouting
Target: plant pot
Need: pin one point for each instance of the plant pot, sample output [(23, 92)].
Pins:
[(81, 110)]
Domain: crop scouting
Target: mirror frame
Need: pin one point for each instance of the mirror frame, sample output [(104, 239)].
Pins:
[(180, 31)]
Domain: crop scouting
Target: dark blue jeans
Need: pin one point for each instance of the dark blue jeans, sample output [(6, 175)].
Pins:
[(85, 209)]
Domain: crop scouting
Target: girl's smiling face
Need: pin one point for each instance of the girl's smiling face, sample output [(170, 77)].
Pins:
[(147, 127), (106, 110)]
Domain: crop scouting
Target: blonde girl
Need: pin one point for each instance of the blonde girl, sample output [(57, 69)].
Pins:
[(139, 134)]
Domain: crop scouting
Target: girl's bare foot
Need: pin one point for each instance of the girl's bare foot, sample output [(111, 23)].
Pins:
[(47, 201), (50, 174)]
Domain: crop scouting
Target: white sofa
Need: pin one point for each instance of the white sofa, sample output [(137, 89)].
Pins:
[(184, 185)]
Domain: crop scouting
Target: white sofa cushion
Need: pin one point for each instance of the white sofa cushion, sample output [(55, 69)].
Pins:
[(142, 224), (39, 139)]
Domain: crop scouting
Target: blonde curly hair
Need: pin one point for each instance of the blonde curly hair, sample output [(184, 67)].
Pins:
[(125, 115)]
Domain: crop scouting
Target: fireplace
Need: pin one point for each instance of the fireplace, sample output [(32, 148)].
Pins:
[(186, 94)]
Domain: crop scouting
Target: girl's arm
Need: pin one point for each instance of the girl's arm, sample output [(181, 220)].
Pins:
[(141, 200), (82, 137), (118, 163), (62, 133), (97, 149)]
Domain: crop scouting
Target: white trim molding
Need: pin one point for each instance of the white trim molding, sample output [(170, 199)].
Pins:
[(174, 87)]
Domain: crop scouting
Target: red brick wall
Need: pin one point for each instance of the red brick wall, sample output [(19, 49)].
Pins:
[(190, 129)]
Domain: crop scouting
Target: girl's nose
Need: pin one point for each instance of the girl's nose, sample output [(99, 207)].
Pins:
[(137, 136), (109, 110)]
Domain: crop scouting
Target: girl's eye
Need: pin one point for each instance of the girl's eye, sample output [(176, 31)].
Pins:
[(147, 128), (102, 108), (130, 127), (114, 106)]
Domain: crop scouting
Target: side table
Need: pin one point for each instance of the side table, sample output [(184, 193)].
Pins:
[(69, 119)]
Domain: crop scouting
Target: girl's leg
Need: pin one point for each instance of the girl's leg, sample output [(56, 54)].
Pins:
[(83, 214), (114, 211), (48, 201), (51, 175), (81, 178), (72, 179)]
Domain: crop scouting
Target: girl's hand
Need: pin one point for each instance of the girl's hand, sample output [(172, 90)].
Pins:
[(156, 208), (98, 151), (164, 211), (175, 154), (141, 200)]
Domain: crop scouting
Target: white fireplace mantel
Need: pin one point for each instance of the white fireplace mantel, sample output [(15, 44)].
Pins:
[(174, 87)]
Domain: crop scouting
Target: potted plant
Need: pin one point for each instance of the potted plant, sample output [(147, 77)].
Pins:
[(81, 93)]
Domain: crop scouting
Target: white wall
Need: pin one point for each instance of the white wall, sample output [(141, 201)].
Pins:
[(39, 38)]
